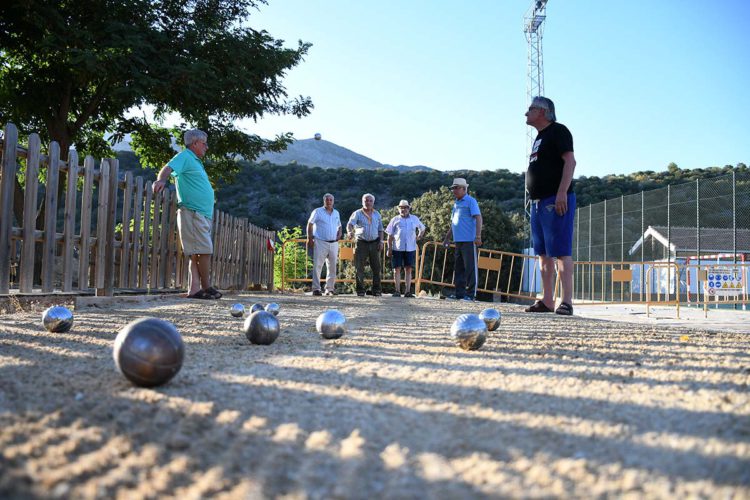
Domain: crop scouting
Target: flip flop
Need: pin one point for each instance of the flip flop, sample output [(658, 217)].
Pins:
[(200, 294), (538, 307), (564, 309), (213, 293)]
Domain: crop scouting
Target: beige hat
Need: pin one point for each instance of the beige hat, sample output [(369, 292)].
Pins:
[(459, 181), (404, 203)]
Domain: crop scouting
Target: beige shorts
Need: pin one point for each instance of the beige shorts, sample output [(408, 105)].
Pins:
[(195, 232)]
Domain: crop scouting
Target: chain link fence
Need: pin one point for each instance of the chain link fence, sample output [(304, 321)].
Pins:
[(698, 223)]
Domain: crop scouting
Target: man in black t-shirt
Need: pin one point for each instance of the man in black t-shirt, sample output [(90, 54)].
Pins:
[(549, 181)]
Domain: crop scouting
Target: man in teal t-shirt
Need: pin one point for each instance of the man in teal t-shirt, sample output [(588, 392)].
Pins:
[(195, 201)]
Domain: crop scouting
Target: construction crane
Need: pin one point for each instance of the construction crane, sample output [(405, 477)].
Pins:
[(533, 27)]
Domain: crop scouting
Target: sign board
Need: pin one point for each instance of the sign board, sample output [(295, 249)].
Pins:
[(723, 281)]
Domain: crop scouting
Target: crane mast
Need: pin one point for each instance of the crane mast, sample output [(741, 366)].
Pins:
[(533, 27)]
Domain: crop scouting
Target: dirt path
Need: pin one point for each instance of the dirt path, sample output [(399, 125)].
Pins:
[(550, 406)]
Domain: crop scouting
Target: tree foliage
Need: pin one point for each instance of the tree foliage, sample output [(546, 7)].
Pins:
[(71, 71)]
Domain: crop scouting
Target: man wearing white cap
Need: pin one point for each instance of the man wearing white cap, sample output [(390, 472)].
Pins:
[(403, 232), (466, 231)]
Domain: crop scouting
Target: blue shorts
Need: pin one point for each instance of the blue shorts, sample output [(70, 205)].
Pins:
[(403, 259), (552, 233)]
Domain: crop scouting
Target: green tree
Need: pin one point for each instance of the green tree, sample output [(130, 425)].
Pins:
[(72, 71), (297, 262)]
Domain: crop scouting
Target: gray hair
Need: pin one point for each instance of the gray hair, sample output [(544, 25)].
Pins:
[(547, 105), (368, 195), (328, 195), (193, 135)]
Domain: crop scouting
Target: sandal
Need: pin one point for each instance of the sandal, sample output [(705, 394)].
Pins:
[(200, 294), (538, 307), (564, 309), (213, 293)]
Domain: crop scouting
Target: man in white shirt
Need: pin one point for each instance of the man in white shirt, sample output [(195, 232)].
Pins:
[(323, 234), (403, 232)]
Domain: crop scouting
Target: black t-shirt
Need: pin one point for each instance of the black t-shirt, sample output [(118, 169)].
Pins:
[(546, 163)]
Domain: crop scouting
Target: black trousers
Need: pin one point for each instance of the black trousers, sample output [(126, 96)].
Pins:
[(367, 251), (466, 269)]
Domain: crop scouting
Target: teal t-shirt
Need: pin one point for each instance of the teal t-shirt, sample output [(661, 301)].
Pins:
[(194, 190)]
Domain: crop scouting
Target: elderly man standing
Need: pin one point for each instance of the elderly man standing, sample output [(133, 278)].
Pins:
[(323, 235), (466, 230), (366, 226), (549, 180), (195, 199), (404, 230)]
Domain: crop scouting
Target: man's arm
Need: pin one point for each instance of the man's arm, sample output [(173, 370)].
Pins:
[(161, 180), (448, 236), (391, 239), (561, 200), (310, 241), (478, 239)]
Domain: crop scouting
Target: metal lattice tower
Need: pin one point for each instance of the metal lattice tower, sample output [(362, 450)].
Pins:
[(533, 26)]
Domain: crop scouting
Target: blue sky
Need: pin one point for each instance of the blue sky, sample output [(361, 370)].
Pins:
[(443, 84)]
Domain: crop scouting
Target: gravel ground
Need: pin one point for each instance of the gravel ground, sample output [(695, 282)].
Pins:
[(550, 406)]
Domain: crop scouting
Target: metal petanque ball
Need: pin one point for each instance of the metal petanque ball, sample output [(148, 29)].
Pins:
[(149, 352), (469, 331), (237, 310), (331, 324), (273, 308), (262, 328), (57, 319), (256, 307), (317, 136), (491, 318)]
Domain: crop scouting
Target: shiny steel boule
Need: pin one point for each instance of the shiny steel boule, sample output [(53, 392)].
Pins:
[(237, 310), (256, 307), (262, 328), (149, 352), (57, 319), (273, 308), (469, 331), (331, 324), (491, 318)]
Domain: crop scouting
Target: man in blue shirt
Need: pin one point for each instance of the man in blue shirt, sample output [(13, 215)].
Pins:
[(466, 230), (195, 199)]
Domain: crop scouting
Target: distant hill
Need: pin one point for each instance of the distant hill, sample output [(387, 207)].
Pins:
[(325, 154)]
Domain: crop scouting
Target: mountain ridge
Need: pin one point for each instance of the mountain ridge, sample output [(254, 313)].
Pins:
[(328, 155)]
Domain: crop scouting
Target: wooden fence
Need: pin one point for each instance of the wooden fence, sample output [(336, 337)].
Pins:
[(116, 235)]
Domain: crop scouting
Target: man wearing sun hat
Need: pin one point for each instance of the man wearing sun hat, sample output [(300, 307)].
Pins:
[(403, 232), (466, 231)]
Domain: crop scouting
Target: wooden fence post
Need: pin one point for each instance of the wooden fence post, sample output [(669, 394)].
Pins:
[(84, 250), (49, 245), (69, 221), (7, 187), (31, 191), (101, 226), (109, 259)]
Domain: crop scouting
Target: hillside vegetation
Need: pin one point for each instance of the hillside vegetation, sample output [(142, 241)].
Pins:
[(274, 196)]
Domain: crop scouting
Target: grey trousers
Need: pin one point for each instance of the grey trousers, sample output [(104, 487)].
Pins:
[(364, 251), (466, 269)]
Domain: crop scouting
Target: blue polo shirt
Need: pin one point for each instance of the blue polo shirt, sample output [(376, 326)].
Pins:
[(463, 223), (194, 190)]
